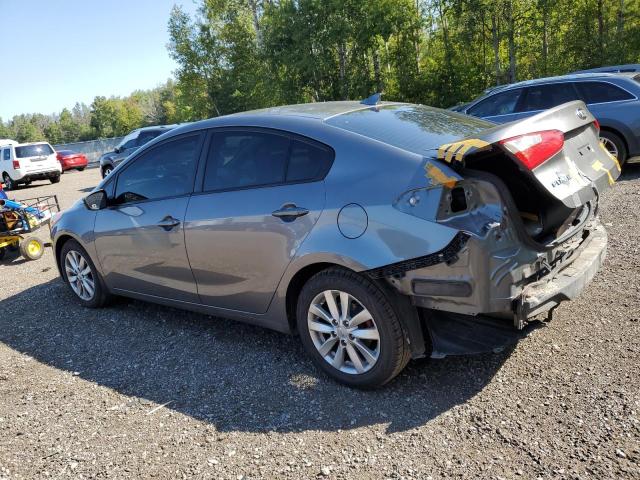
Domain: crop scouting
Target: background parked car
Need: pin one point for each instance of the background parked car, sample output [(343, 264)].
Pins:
[(69, 160), (628, 68), (22, 163), (612, 98), (130, 144)]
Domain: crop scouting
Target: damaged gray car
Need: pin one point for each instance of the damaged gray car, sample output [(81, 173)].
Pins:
[(376, 232)]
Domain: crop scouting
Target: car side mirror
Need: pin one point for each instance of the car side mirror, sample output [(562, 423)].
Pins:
[(96, 200)]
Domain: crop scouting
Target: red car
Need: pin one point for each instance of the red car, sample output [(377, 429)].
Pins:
[(69, 159)]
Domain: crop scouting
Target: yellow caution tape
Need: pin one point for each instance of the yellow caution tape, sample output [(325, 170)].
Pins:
[(611, 156), (599, 167), (438, 177), (448, 151)]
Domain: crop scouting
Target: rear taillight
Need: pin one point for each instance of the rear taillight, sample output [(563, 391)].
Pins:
[(596, 124), (533, 149), (16, 164)]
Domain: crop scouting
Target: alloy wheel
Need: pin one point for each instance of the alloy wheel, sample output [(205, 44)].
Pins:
[(79, 275), (344, 332), (610, 146)]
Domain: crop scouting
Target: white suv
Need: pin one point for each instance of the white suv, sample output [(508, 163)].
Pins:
[(26, 162)]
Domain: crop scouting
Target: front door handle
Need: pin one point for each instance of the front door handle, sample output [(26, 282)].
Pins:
[(290, 212), (169, 223)]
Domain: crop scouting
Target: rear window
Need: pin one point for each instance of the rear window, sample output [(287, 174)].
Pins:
[(602, 92), (415, 128), (36, 150)]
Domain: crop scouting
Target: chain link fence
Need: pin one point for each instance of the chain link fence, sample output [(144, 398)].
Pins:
[(92, 149)]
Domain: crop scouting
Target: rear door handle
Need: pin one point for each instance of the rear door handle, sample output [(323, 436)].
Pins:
[(168, 223), (290, 212)]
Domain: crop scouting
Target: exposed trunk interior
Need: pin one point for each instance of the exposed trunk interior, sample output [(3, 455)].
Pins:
[(544, 217)]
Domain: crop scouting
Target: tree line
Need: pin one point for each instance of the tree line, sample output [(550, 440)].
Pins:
[(236, 55)]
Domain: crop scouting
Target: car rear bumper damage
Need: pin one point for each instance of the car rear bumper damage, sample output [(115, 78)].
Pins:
[(476, 296), (45, 175)]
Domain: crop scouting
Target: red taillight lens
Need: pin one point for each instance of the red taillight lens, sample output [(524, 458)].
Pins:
[(596, 123), (533, 149), (16, 164)]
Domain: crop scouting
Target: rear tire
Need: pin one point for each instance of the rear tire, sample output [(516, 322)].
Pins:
[(614, 145), (81, 275), (386, 352), (55, 179), (31, 248), (81, 169), (106, 171)]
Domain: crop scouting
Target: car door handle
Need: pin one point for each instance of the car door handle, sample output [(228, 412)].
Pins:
[(290, 212), (168, 223)]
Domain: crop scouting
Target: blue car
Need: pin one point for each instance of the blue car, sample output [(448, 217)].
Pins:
[(613, 98)]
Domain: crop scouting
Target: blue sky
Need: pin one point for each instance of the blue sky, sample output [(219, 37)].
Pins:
[(54, 53)]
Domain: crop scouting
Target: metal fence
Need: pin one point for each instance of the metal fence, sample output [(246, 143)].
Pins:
[(93, 148)]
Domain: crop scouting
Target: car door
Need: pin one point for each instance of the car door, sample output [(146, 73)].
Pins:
[(262, 193), (500, 107), (140, 235)]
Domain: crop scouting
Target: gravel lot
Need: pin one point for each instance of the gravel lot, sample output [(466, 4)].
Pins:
[(138, 390)]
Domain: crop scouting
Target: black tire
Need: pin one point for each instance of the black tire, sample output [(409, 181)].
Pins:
[(55, 179), (3, 250), (619, 144), (394, 352), (31, 247), (9, 184), (106, 171), (101, 295), (81, 169)]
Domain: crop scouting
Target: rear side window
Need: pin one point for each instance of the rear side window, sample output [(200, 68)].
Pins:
[(308, 161), (6, 154), (601, 92), (542, 97), (167, 170), (36, 150), (499, 104)]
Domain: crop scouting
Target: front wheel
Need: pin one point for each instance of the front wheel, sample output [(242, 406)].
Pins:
[(80, 274), (350, 329), (106, 171), (9, 184)]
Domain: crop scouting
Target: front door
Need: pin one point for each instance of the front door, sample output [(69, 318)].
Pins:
[(263, 193), (140, 236)]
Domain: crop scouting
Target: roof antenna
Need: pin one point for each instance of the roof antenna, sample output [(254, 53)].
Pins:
[(373, 100)]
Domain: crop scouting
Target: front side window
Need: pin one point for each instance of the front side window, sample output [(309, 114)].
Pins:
[(499, 104), (542, 97), (601, 92), (129, 141), (167, 170), (239, 159)]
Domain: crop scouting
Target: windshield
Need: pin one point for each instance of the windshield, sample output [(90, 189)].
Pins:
[(415, 128), (36, 150)]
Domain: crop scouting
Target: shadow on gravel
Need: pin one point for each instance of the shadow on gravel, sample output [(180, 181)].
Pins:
[(234, 376), (630, 172)]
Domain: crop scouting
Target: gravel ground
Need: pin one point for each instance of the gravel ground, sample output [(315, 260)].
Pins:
[(138, 390)]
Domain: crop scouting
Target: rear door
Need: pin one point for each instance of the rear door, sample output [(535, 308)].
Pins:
[(140, 238), (262, 193)]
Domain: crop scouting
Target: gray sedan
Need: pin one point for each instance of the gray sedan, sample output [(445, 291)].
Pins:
[(377, 233)]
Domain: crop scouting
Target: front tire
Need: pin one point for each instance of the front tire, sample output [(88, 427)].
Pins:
[(106, 171), (31, 248), (9, 184), (81, 275), (350, 329)]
